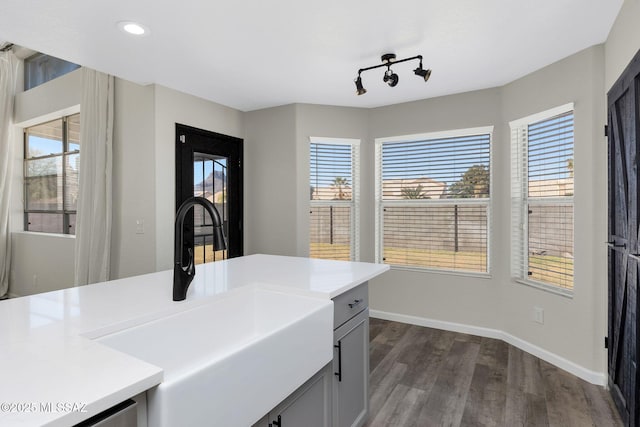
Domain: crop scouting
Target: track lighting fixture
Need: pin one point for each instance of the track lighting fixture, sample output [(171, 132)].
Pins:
[(390, 77)]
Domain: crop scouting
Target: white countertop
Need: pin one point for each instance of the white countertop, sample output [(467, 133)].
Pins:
[(49, 363)]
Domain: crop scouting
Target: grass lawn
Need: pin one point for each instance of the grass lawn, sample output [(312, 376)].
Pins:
[(329, 251), (552, 269), (544, 268), (468, 261)]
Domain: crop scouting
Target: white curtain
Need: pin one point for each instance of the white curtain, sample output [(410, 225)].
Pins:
[(93, 221), (8, 74)]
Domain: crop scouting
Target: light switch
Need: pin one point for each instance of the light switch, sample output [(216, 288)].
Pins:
[(538, 315), (139, 226)]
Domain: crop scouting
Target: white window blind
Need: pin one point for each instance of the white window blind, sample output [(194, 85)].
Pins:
[(334, 199), (542, 199), (433, 201)]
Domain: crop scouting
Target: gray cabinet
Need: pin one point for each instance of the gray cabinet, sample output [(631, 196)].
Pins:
[(338, 395), (351, 359), (308, 406)]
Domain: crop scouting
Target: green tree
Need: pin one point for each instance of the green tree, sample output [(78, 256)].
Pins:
[(340, 184), (570, 166), (473, 184), (414, 193)]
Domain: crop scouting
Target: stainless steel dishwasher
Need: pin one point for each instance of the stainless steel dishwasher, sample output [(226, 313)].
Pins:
[(124, 414)]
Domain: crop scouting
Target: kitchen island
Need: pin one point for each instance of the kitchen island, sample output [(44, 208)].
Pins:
[(55, 372)]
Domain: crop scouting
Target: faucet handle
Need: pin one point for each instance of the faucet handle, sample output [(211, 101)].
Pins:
[(190, 268)]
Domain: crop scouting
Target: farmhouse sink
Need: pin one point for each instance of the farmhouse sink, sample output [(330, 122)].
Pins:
[(232, 360)]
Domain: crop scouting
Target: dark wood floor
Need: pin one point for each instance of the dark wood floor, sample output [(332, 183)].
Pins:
[(428, 377)]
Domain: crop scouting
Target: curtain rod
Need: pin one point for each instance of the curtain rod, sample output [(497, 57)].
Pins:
[(7, 47)]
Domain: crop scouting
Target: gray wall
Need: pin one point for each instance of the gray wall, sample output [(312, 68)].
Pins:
[(134, 188), (173, 107), (39, 262), (270, 170), (445, 297), (276, 189), (623, 41), (143, 173), (578, 79), (329, 122), (496, 302)]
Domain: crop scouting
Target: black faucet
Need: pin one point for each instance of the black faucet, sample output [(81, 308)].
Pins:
[(183, 275)]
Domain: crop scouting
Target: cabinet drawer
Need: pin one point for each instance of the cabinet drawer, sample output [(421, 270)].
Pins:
[(350, 303)]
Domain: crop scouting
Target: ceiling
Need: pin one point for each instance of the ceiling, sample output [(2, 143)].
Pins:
[(252, 54)]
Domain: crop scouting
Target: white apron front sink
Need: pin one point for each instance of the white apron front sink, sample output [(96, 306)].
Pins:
[(230, 361)]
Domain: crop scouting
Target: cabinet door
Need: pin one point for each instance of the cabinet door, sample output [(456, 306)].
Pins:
[(309, 406), (351, 372)]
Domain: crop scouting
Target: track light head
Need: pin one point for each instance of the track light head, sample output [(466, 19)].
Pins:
[(425, 74), (390, 78), (360, 90)]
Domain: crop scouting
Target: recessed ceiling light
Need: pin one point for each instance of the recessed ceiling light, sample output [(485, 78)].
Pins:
[(133, 28)]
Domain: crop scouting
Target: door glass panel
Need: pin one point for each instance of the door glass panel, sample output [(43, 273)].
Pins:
[(210, 181)]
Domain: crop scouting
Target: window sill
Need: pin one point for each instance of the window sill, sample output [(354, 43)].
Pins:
[(547, 288), (40, 233), (476, 275)]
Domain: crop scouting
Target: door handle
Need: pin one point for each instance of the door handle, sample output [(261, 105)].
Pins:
[(613, 244)]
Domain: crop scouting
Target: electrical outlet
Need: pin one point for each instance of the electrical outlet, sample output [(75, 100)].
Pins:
[(139, 226), (538, 315)]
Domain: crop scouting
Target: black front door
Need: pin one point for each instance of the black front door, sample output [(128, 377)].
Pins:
[(209, 165), (624, 251)]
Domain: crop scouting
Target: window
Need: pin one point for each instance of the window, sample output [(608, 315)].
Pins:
[(542, 199), (51, 162), (41, 68), (334, 199), (433, 200)]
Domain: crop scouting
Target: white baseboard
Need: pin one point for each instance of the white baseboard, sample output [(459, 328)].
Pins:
[(588, 375)]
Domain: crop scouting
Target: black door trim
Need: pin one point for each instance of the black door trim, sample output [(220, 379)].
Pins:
[(200, 140)]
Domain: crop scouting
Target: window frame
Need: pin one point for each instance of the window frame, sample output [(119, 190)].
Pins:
[(63, 155), (354, 203), (520, 199), (55, 67), (380, 203)]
